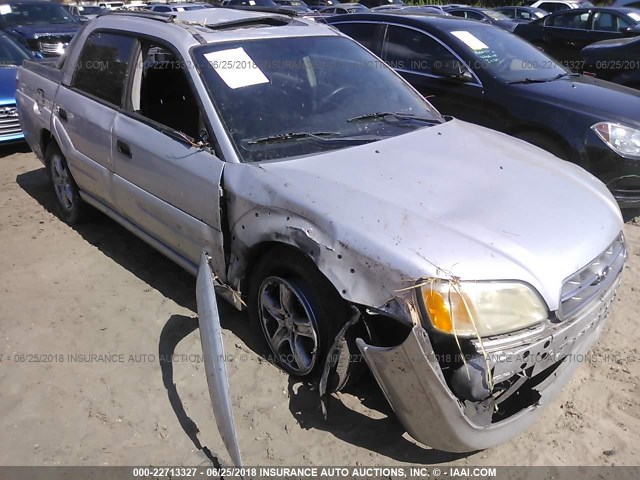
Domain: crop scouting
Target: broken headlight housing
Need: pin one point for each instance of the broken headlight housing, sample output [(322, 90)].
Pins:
[(625, 141), (471, 309)]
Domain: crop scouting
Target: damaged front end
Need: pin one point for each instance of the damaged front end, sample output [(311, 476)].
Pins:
[(465, 394)]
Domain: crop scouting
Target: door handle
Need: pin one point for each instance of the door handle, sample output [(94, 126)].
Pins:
[(123, 148), (62, 113)]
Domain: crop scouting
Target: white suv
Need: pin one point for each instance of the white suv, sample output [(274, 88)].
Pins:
[(557, 5)]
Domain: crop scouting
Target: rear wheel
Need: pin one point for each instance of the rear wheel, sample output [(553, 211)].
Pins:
[(69, 205), (545, 142), (299, 314)]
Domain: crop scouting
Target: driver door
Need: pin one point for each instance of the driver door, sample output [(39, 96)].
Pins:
[(164, 184)]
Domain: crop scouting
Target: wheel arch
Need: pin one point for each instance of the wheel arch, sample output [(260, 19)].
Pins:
[(356, 278), (44, 140)]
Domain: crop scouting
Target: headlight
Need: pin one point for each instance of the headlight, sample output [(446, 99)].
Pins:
[(625, 141), (494, 307)]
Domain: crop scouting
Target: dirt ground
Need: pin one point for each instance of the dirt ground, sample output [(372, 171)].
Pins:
[(67, 293)]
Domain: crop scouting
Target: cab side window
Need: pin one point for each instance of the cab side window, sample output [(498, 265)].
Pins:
[(161, 91), (103, 66)]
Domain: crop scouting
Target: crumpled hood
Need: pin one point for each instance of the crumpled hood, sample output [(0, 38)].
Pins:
[(28, 31), (589, 95), (459, 197)]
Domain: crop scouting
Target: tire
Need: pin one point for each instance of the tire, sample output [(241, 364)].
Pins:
[(545, 142), (298, 314), (69, 206)]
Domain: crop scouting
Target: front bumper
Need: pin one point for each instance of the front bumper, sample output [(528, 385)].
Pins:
[(413, 383), (620, 175)]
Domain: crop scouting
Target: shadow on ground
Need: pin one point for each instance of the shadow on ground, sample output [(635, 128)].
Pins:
[(10, 149), (384, 436)]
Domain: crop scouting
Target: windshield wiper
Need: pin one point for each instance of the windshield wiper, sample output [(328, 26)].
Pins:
[(284, 137), (544, 80), (399, 115)]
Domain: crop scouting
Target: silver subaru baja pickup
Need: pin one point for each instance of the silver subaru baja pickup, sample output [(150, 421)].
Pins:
[(467, 267)]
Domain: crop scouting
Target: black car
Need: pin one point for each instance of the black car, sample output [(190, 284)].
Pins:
[(614, 60), (488, 76), (564, 34), (43, 27), (483, 15), (526, 14)]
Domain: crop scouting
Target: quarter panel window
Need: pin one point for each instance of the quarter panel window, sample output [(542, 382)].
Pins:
[(609, 22), (103, 65)]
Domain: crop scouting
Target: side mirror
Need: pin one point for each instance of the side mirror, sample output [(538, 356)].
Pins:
[(452, 70), (635, 30)]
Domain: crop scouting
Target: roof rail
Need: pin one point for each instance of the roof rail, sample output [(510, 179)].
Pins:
[(160, 17), (279, 10)]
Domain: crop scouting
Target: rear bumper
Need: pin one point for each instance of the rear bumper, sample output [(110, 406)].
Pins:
[(412, 380), (18, 137)]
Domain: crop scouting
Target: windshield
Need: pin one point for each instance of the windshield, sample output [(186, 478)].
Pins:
[(504, 55), (287, 97), (634, 16), (11, 54), (34, 13)]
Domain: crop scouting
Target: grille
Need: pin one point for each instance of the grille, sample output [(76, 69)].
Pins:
[(9, 121), (593, 280), (53, 44), (52, 48)]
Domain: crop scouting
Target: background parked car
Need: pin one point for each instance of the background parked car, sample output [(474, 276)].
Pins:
[(90, 11), (614, 60), (174, 7), (318, 4), (343, 8), (43, 27), (484, 15), (526, 14), (553, 6), (564, 34), (377, 3), (252, 4), (111, 5), (484, 75), (12, 54), (295, 5), (432, 9)]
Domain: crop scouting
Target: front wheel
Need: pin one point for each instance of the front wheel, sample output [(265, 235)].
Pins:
[(299, 314)]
